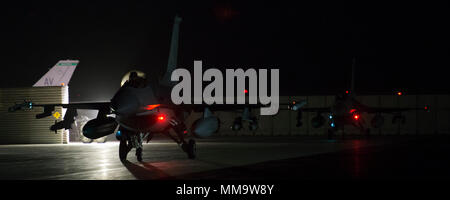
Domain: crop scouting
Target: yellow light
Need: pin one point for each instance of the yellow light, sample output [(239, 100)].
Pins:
[(56, 115)]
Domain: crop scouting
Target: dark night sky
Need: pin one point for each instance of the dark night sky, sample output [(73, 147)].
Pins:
[(396, 45)]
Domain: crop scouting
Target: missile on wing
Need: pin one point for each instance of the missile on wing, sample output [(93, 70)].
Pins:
[(296, 105)]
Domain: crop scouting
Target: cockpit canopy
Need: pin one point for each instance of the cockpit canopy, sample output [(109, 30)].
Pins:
[(140, 75)]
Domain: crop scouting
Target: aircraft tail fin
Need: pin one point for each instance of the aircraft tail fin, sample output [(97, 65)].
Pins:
[(173, 54), (58, 75)]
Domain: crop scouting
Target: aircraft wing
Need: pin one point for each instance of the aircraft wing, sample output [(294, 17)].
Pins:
[(49, 108), (233, 107), (102, 107), (391, 109), (221, 107), (318, 109), (368, 109), (90, 105)]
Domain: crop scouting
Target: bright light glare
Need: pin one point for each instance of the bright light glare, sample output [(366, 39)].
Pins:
[(160, 117)]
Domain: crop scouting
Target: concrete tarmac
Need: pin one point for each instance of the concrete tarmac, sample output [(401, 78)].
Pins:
[(232, 158)]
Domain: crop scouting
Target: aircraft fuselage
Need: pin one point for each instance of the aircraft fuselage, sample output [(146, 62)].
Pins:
[(139, 110)]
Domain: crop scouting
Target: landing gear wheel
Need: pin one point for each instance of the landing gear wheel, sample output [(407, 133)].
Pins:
[(190, 148), (123, 150), (139, 154), (85, 140)]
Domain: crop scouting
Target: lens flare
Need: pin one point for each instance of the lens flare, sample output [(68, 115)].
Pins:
[(161, 117)]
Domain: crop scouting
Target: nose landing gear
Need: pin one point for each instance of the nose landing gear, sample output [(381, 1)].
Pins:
[(180, 129), (128, 141), (124, 148), (189, 148), (139, 154)]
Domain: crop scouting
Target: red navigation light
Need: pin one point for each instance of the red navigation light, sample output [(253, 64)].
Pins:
[(346, 92), (151, 107), (426, 108), (356, 117), (245, 91), (161, 117), (399, 93)]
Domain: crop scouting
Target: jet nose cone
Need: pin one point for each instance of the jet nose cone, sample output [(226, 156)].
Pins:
[(125, 103)]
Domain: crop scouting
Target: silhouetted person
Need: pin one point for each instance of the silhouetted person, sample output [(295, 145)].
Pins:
[(135, 81)]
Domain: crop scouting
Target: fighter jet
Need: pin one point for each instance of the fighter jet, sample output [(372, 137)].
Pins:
[(346, 110), (142, 108)]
